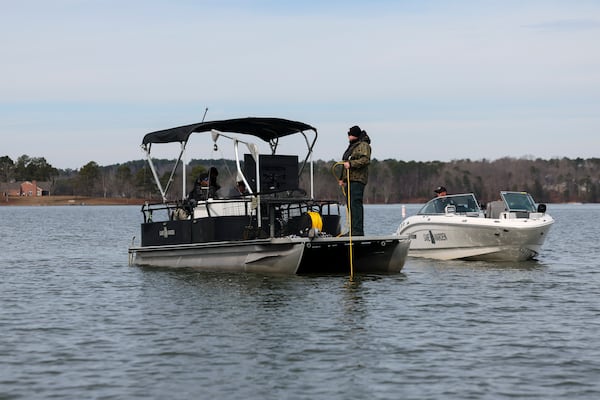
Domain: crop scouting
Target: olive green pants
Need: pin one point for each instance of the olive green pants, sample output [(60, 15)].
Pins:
[(357, 190)]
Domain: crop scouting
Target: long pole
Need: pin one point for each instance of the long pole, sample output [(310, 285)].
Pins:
[(349, 225), (349, 219)]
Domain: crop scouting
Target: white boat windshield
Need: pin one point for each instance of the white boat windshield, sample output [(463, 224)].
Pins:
[(518, 201), (461, 204)]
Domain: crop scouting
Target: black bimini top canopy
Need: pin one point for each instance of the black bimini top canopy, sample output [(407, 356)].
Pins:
[(267, 129)]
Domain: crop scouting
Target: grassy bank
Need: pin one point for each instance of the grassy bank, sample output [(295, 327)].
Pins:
[(67, 201)]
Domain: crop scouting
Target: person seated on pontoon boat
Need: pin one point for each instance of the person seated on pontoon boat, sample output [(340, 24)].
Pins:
[(213, 186), (200, 190), (206, 186), (238, 190)]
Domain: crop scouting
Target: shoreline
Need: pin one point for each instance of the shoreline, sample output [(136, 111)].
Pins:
[(119, 201), (69, 201)]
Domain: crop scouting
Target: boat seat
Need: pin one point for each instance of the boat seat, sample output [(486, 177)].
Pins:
[(494, 208)]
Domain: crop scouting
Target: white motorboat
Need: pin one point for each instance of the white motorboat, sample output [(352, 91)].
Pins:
[(455, 227), (274, 227)]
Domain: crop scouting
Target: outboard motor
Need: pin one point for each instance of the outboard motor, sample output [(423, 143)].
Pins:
[(541, 208)]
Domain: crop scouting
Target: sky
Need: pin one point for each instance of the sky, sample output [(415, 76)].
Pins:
[(85, 80)]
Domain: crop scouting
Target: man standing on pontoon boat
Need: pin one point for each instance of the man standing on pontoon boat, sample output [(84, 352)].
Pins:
[(356, 158)]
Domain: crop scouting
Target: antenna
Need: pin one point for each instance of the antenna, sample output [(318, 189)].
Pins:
[(204, 116)]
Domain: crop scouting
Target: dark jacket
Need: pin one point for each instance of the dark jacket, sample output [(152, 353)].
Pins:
[(205, 187), (358, 154)]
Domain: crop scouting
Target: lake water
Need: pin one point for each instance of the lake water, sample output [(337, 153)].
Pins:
[(76, 322)]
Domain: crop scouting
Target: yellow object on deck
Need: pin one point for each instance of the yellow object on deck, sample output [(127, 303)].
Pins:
[(316, 220)]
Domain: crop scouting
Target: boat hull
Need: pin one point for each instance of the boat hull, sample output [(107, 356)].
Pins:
[(288, 255), (448, 237)]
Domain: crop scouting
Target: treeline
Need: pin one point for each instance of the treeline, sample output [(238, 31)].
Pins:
[(390, 181)]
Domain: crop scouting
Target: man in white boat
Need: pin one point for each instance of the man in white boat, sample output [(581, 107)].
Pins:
[(440, 191), (356, 159)]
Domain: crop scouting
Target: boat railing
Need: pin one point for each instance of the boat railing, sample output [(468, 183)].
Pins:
[(279, 215), (164, 211), (294, 216), (223, 207)]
